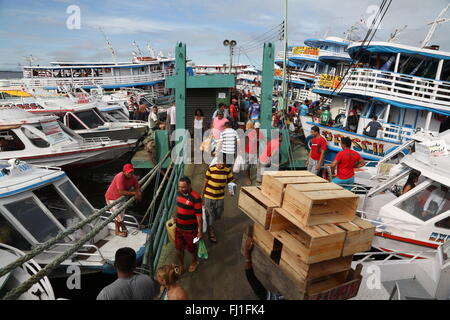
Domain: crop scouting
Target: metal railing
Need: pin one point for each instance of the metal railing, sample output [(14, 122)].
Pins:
[(96, 140), (401, 87), (97, 251), (97, 81)]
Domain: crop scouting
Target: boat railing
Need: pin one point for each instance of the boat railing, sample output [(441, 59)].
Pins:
[(96, 140), (401, 87), (396, 133), (409, 256), (128, 219), (328, 53), (393, 223), (80, 252), (97, 81)]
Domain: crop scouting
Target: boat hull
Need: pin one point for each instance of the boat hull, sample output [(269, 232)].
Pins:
[(116, 134), (371, 149)]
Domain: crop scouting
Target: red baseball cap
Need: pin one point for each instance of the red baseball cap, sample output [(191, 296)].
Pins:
[(128, 168)]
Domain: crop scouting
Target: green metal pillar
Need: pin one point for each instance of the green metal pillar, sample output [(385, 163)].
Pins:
[(267, 86), (180, 87)]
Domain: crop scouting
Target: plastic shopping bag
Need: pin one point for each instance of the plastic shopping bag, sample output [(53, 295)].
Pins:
[(238, 164), (201, 252), (205, 221), (232, 188)]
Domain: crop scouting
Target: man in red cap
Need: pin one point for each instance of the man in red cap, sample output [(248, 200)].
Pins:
[(121, 186)]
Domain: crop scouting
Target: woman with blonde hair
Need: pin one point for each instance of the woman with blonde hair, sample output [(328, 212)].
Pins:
[(167, 276)]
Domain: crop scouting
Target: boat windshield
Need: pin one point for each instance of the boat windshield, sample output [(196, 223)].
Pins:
[(428, 202), (115, 115), (69, 190), (60, 209), (31, 216), (90, 118)]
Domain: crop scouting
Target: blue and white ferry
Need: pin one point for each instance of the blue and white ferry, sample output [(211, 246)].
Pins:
[(406, 87), (37, 203), (143, 72)]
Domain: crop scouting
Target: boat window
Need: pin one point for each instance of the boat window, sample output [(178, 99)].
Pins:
[(428, 203), (10, 236), (35, 139), (74, 123), (90, 118), (444, 223), (117, 115), (9, 141), (33, 218), (69, 190), (57, 206)]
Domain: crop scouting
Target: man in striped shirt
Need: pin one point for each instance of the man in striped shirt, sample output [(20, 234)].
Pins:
[(189, 222), (229, 140), (216, 179)]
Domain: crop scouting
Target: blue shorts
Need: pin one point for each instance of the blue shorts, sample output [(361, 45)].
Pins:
[(346, 181)]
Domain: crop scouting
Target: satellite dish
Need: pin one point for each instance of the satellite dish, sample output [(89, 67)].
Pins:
[(233, 43), (226, 42)]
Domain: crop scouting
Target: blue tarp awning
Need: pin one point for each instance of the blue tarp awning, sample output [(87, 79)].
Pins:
[(412, 106), (388, 49)]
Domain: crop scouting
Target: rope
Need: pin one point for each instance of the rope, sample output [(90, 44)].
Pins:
[(40, 248), (155, 197), (15, 293)]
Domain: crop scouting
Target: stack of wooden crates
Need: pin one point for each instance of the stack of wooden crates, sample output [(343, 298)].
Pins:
[(308, 227)]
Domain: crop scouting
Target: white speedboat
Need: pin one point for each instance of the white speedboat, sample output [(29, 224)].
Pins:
[(37, 203), (88, 119), (44, 140), (40, 291), (420, 218)]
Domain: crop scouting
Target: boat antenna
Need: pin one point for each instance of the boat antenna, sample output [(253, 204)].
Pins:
[(30, 59), (396, 33), (110, 47), (138, 49), (150, 49), (434, 25)]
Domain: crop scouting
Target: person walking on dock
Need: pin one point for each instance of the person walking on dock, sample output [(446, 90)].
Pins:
[(216, 179), (121, 186), (346, 161), (318, 150), (254, 136), (217, 126), (229, 144), (254, 110), (189, 223), (171, 122), (153, 121), (167, 276), (128, 286)]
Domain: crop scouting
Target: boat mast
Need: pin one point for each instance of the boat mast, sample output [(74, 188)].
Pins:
[(434, 25), (285, 45), (139, 52), (110, 47)]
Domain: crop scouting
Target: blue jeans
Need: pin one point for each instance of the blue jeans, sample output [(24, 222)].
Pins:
[(346, 181)]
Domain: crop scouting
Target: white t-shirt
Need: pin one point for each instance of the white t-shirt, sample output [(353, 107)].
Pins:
[(152, 119), (171, 113), (198, 124), (229, 138)]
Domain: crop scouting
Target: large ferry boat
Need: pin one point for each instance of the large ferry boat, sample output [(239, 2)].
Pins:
[(406, 87), (142, 72)]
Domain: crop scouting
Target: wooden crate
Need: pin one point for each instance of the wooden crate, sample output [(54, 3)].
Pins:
[(276, 280), (311, 208), (288, 173), (314, 270), (359, 236), (311, 244), (274, 186), (267, 242), (256, 205)]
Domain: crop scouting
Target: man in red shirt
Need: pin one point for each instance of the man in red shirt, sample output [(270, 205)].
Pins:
[(317, 153), (121, 186), (345, 162), (270, 156), (189, 222), (234, 112)]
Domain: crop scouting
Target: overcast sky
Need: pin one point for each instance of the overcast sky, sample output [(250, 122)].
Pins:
[(39, 27)]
